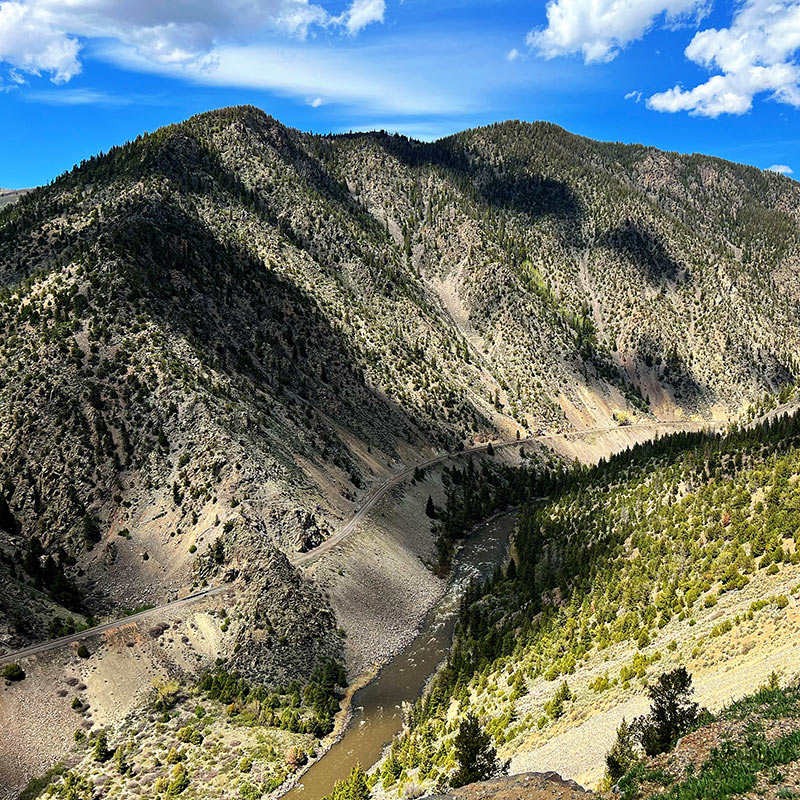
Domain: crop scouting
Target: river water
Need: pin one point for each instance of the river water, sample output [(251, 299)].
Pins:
[(377, 708)]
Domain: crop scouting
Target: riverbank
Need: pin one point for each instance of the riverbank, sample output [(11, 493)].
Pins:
[(377, 708)]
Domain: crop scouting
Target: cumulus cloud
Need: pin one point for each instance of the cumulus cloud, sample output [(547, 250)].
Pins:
[(362, 13), (755, 55), (599, 29), (45, 36), (781, 169), (32, 44)]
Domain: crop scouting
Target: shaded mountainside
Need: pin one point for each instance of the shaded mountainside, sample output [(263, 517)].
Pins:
[(215, 336)]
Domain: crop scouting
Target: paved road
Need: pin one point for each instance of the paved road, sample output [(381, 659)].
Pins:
[(52, 644), (302, 559)]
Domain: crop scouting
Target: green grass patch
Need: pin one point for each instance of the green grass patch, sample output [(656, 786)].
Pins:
[(731, 770)]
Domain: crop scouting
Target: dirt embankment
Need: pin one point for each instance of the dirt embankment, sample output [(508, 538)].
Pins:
[(117, 676), (379, 580)]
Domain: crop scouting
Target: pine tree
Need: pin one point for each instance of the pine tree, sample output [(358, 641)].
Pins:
[(623, 754), (357, 785), (475, 754), (511, 571), (101, 751), (430, 508), (671, 712)]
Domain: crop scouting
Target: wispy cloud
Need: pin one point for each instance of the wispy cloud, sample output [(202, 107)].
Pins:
[(47, 36), (634, 95), (513, 55), (393, 77), (79, 97)]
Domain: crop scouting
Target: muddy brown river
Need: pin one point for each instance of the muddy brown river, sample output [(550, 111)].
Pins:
[(377, 708)]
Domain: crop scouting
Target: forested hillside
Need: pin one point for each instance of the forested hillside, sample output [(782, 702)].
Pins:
[(624, 568), (216, 337)]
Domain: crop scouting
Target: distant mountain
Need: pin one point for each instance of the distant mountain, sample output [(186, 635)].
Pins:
[(216, 336), (8, 196)]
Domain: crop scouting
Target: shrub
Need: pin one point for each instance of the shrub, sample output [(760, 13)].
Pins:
[(179, 782), (295, 758), (555, 707), (166, 694), (190, 735), (82, 651), (13, 672)]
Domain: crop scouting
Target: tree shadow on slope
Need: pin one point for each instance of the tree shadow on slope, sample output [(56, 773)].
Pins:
[(516, 189), (644, 249), (672, 370), (247, 322)]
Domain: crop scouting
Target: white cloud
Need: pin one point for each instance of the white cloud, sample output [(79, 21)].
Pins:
[(755, 55), (599, 29), (45, 36), (362, 13), (513, 55), (389, 77), (78, 97), (32, 44), (781, 169), (634, 95), (315, 102)]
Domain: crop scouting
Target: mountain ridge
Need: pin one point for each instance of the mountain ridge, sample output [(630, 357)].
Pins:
[(244, 281)]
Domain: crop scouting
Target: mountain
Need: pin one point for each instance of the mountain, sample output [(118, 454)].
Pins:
[(8, 196), (216, 337)]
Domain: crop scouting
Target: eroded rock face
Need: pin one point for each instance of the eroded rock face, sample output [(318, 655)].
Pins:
[(527, 786)]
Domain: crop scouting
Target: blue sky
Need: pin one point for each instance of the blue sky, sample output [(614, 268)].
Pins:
[(689, 75)]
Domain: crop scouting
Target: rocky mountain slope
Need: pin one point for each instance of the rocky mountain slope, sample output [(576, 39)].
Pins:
[(215, 337)]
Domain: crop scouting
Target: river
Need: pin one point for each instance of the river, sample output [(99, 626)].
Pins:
[(377, 708)]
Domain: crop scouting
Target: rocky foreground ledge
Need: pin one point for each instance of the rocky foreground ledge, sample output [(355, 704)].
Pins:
[(526, 786)]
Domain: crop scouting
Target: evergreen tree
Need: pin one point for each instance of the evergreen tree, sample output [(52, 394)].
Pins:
[(430, 508), (475, 754), (671, 712), (101, 750), (623, 754), (357, 785)]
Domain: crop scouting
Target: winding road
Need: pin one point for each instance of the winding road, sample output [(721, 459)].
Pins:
[(302, 559), (52, 644)]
